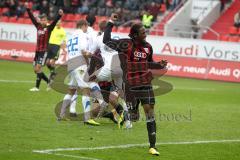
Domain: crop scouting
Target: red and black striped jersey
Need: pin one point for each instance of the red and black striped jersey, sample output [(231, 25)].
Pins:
[(134, 58), (137, 67), (43, 33)]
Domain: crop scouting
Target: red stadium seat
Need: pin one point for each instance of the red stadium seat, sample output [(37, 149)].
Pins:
[(153, 33), (70, 17), (233, 39), (163, 8), (64, 17), (20, 20), (124, 29), (4, 19), (69, 24), (12, 20), (101, 18), (114, 29), (224, 38), (238, 32), (4, 10), (27, 21), (78, 17), (233, 30), (25, 15)]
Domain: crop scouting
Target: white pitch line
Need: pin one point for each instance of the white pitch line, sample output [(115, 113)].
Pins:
[(14, 81), (133, 145)]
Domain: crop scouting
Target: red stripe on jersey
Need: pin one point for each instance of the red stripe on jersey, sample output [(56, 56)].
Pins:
[(137, 73), (42, 39), (104, 84)]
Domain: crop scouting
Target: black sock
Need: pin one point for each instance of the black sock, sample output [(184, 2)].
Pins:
[(52, 72), (44, 77), (108, 115), (119, 108), (52, 75), (38, 80), (151, 128), (51, 68)]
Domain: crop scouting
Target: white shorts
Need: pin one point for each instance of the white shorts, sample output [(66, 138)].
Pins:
[(107, 74), (76, 78)]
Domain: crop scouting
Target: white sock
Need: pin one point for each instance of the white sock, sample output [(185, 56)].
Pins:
[(73, 103), (86, 107), (86, 103), (67, 97), (96, 92), (65, 104)]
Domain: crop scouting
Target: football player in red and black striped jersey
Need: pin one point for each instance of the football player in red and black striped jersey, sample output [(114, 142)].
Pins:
[(43, 34), (135, 54)]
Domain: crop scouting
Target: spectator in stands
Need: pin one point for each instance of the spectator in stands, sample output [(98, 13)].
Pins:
[(109, 3), (44, 7), (75, 5), (237, 19), (84, 9), (2, 4), (147, 20), (58, 3), (12, 6), (195, 28), (93, 3), (53, 10), (222, 5), (154, 9), (20, 9), (131, 4), (174, 4), (167, 3)]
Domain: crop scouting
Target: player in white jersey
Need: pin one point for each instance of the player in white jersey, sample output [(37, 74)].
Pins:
[(78, 59), (111, 70), (91, 35)]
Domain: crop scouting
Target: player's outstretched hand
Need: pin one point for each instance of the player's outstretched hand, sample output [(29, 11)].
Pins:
[(114, 17), (60, 12), (163, 63), (26, 5)]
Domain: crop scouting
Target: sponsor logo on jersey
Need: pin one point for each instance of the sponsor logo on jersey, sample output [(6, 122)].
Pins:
[(140, 54)]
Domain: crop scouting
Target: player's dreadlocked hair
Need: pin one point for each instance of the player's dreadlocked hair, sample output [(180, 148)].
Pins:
[(134, 31), (91, 19)]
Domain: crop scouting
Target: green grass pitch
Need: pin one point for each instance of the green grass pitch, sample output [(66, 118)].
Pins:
[(195, 110)]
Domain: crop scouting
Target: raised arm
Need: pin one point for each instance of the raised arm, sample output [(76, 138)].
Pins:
[(33, 19), (53, 24), (107, 40)]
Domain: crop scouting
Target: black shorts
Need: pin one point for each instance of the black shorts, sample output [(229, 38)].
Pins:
[(135, 95), (40, 58), (53, 51), (105, 93), (106, 90)]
